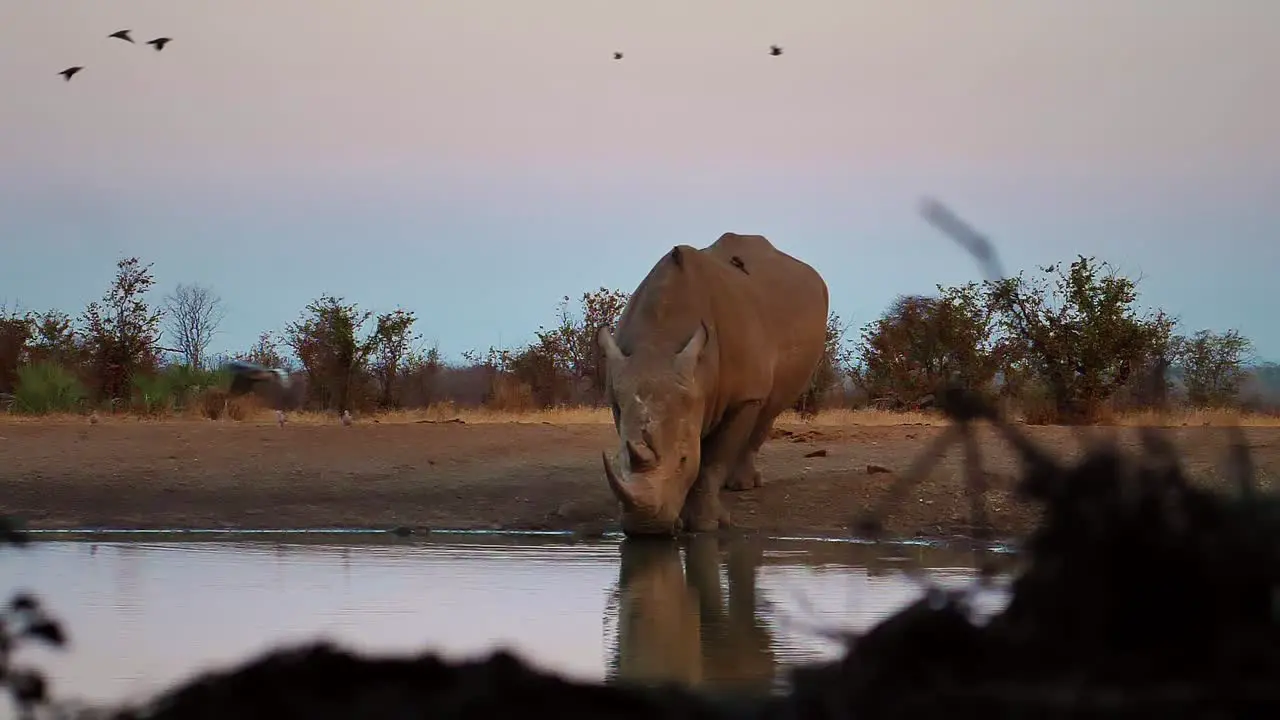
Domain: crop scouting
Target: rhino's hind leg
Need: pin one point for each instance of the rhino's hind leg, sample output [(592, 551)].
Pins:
[(722, 454)]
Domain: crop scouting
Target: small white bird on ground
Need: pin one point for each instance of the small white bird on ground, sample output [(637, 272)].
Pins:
[(346, 418), (280, 418), (93, 417)]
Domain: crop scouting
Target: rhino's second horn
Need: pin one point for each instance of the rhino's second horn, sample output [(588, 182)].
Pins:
[(640, 456)]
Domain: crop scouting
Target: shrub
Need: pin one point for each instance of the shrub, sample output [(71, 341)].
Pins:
[(1035, 400), (152, 394), (47, 388), (512, 395), (213, 402), (184, 382), (242, 407)]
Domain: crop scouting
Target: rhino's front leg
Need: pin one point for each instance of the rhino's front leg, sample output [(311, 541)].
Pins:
[(746, 475), (703, 511), (721, 455)]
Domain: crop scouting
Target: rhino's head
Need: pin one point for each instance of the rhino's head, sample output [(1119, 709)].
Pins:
[(657, 409)]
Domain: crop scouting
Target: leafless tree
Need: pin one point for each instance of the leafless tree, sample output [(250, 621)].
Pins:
[(192, 316)]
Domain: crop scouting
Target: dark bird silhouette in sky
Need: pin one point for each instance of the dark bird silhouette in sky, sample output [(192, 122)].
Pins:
[(775, 50), (66, 74), (122, 34), (617, 56), (159, 43)]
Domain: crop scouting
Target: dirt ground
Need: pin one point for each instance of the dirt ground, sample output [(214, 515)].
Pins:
[(128, 473)]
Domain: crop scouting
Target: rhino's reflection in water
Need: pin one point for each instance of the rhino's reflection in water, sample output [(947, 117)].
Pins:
[(679, 621)]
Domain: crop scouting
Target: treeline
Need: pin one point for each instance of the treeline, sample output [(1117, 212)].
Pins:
[(1068, 344)]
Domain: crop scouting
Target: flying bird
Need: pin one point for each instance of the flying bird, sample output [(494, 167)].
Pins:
[(775, 50), (66, 74), (159, 43), (245, 376), (122, 34), (278, 386), (617, 56)]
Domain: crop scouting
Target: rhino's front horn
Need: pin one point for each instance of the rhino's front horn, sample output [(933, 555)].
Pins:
[(620, 489)]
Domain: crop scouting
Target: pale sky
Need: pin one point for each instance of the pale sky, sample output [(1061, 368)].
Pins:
[(474, 161)]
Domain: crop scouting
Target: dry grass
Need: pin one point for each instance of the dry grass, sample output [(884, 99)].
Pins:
[(1193, 417), (587, 416), (50, 419), (446, 412), (841, 417)]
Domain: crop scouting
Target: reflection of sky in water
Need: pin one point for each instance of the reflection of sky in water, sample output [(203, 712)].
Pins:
[(143, 615)]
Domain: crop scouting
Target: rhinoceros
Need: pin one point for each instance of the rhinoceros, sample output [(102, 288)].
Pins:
[(713, 344)]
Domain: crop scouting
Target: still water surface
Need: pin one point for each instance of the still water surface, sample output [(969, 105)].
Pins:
[(144, 614)]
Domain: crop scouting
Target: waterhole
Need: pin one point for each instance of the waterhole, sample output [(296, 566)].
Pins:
[(722, 613)]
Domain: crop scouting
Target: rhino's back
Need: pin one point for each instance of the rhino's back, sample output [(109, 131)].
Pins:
[(758, 297), (782, 289), (775, 326)]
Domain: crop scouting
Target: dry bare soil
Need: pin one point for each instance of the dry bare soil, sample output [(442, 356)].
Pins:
[(130, 473)]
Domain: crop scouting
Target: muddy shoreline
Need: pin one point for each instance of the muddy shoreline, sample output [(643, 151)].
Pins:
[(186, 474)]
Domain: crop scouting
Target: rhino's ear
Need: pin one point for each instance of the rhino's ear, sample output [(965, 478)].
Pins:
[(687, 359), (612, 353)]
